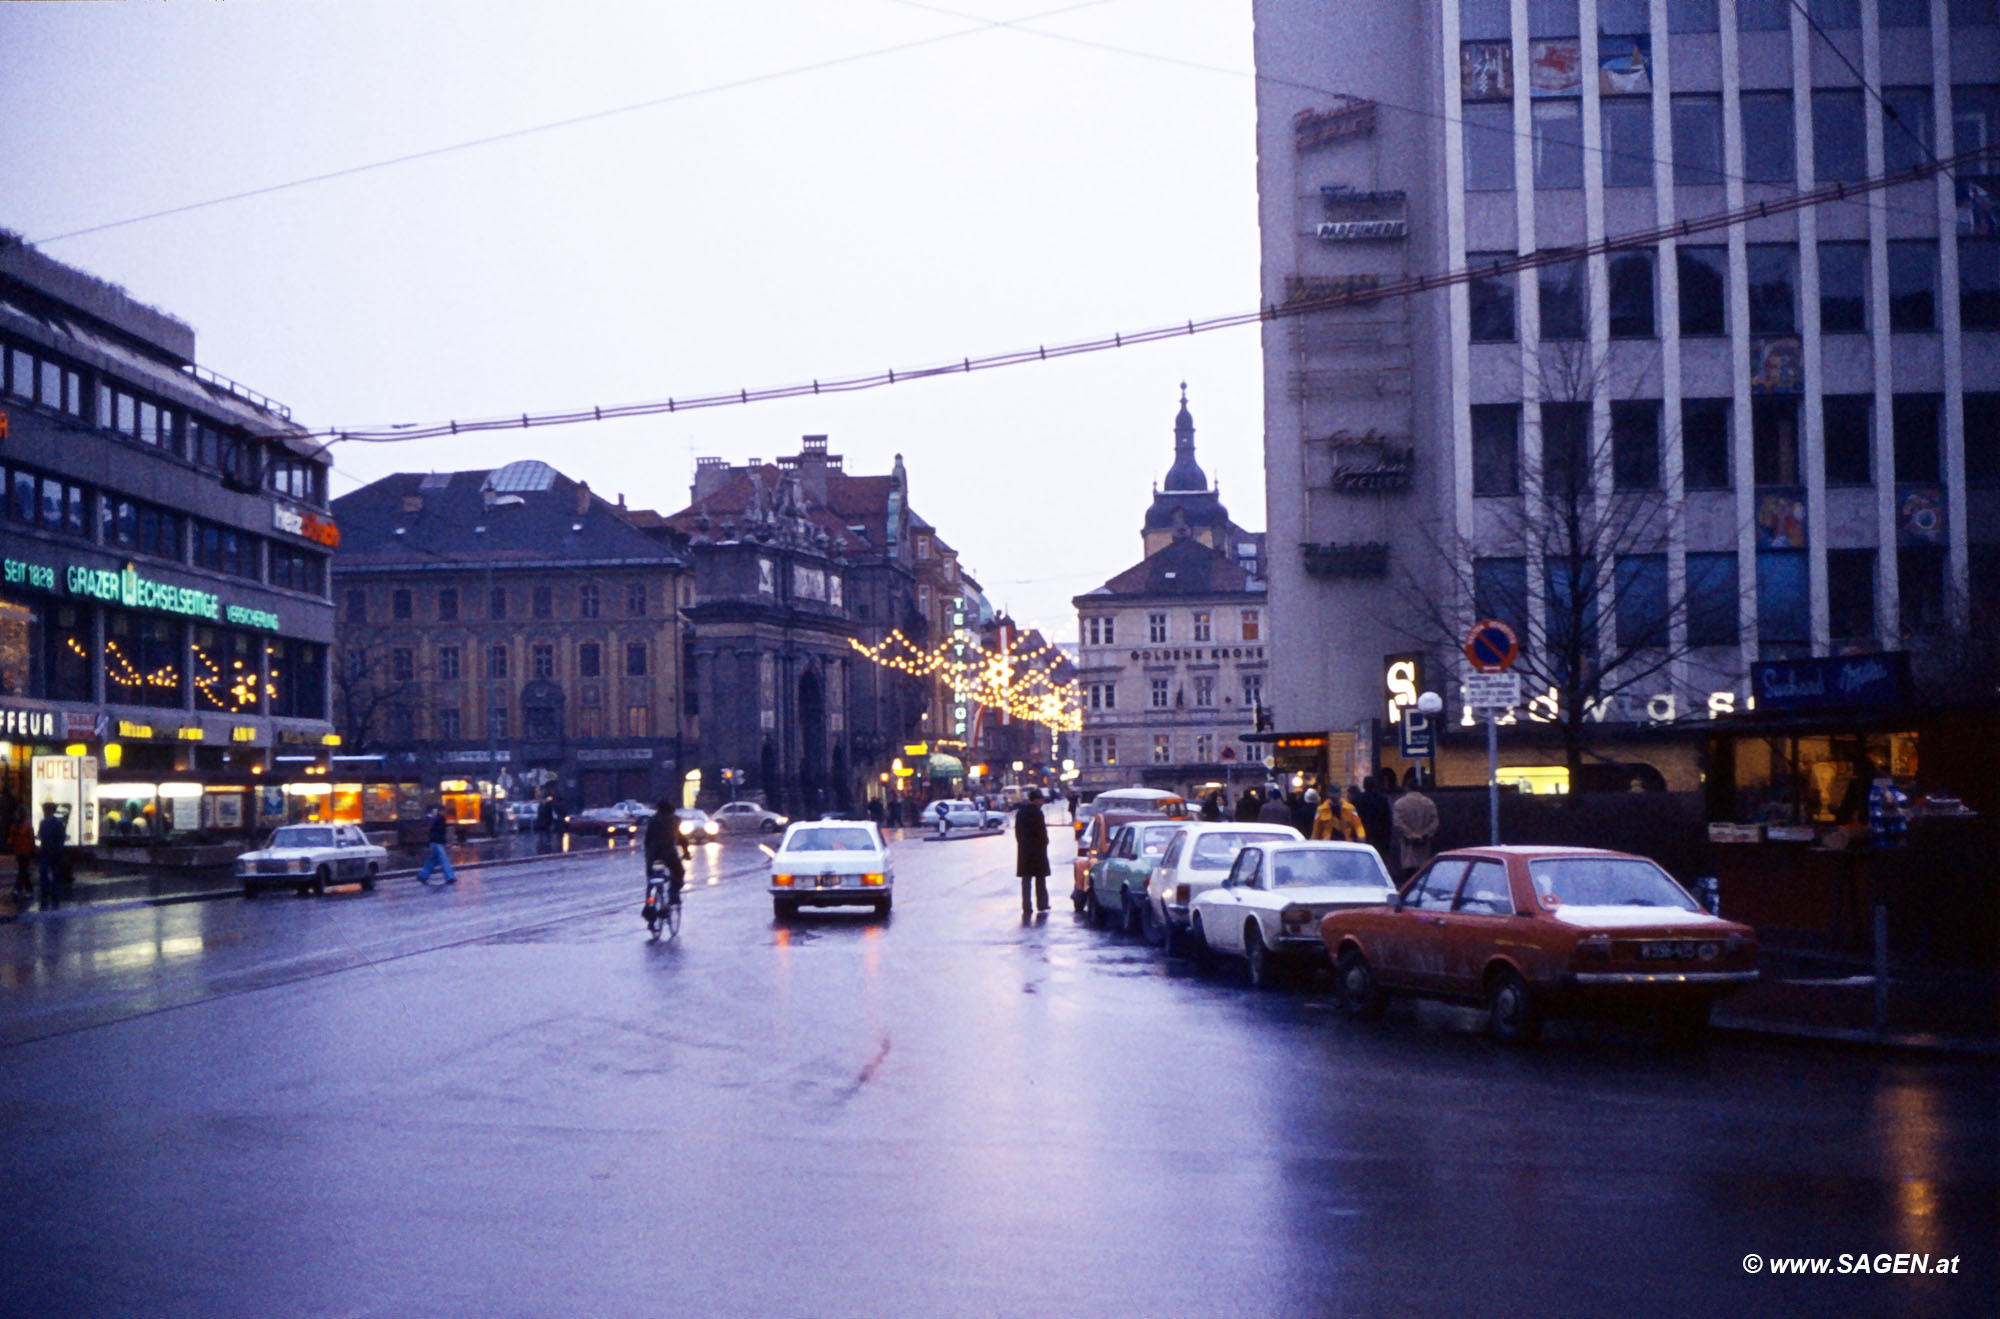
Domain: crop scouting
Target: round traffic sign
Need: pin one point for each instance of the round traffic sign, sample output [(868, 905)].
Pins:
[(1492, 646)]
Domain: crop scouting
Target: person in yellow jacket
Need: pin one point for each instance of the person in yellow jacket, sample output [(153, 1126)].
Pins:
[(1337, 818)]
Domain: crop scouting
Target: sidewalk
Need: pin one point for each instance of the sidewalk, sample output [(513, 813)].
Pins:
[(1812, 996), (105, 888)]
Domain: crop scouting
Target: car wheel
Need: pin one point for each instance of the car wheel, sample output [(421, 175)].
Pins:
[(1263, 968), (1204, 956), (784, 908), (1170, 940), (249, 889), (1093, 910), (1360, 993), (1077, 898), (320, 879), (1683, 1027), (1135, 917), (882, 905), (770, 826), (368, 880), (1511, 1009)]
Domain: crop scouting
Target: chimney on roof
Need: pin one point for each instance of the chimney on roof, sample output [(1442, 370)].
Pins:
[(621, 501), (812, 464), (709, 474), (582, 498)]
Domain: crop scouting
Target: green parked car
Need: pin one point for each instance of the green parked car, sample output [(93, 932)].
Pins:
[(1118, 881)]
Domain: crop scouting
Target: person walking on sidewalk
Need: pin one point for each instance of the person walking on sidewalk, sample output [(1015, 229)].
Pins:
[(1031, 852), (437, 855), (53, 834), (21, 842)]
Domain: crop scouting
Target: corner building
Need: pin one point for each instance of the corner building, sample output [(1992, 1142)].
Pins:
[(1812, 398)]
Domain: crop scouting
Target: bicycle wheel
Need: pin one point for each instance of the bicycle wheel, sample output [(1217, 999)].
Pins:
[(674, 918)]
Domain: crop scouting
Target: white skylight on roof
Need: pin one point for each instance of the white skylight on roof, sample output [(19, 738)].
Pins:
[(434, 481), (520, 477)]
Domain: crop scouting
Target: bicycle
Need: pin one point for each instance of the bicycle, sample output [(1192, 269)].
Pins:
[(663, 905)]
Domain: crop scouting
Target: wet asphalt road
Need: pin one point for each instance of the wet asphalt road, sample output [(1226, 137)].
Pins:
[(501, 1099)]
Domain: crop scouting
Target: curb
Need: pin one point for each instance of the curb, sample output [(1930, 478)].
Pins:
[(1882, 1041), (236, 891)]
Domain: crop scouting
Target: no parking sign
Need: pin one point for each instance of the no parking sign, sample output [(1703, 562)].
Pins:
[(1492, 646)]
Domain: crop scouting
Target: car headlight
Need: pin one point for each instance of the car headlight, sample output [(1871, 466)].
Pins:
[(687, 826), (781, 881), (1295, 919), (872, 879)]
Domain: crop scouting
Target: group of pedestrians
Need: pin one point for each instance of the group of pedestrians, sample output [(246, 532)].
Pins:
[(1399, 822), (48, 841)]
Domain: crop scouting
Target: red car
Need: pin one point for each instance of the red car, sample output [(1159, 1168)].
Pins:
[(1535, 932)]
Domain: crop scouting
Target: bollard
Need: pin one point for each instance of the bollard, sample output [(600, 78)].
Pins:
[(1881, 968)]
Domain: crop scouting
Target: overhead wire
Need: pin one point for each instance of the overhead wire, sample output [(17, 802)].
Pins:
[(1300, 306)]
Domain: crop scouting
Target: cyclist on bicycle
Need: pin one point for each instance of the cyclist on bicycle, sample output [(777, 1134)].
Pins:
[(663, 847)]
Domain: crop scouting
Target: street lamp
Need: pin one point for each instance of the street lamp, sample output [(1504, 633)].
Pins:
[(493, 502), (1430, 705)]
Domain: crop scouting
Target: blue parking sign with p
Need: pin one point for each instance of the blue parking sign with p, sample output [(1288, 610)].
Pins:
[(1416, 735)]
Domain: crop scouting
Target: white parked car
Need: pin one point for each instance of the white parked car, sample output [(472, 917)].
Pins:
[(1197, 860), (310, 857), (696, 826), (748, 817), (831, 863), (1267, 909), (960, 813), (625, 817)]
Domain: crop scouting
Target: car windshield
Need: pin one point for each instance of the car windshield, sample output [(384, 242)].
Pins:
[(1154, 839), (1305, 869), (831, 840), (302, 837), (1606, 881), (1171, 807), (1217, 851)]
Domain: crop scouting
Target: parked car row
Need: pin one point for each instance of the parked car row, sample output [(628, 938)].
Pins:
[(1527, 933)]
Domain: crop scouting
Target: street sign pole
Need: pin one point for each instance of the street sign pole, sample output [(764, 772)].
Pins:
[(1492, 777), (1492, 648)]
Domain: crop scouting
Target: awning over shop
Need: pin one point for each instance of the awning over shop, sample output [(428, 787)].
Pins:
[(946, 767)]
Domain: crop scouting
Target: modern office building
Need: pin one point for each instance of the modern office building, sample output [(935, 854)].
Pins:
[(1172, 662), (509, 630), (164, 618), (1787, 429)]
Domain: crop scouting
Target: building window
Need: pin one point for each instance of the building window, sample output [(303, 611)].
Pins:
[(1843, 288), (496, 602), (447, 663), (1252, 625), (496, 722), (589, 660), (1500, 590), (1913, 279), (1979, 283), (1204, 689), (1640, 601), (1627, 129), (542, 660), (1835, 14), (1712, 600), (1558, 143), (448, 604), (1635, 446), (1783, 616), (357, 606), (1982, 440), (496, 661), (1101, 750), (1704, 281), (1774, 441), (1907, 137), (1156, 628), (1691, 16), (1847, 443), (638, 721), (402, 664), (1914, 419), (1774, 288), (635, 599), (544, 602), (1483, 19), (1492, 300), (1253, 689), (399, 604), (635, 659), (1163, 752), (1850, 594), (1973, 13), (1203, 631), (1103, 695), (1489, 147), (1763, 15), (446, 722), (1570, 604), (1920, 589), (402, 724), (1098, 631), (1552, 18), (1565, 450), (1697, 124), (1496, 449), (1840, 142), (1767, 138), (1906, 13), (1204, 748), (1563, 299), (1158, 689), (1630, 275), (586, 601)]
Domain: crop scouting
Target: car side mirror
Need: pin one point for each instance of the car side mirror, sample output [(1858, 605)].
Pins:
[(1230, 882)]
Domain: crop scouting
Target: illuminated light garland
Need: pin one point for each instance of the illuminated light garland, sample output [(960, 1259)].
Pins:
[(992, 679)]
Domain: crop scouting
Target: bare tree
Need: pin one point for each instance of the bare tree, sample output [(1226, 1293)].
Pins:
[(365, 690), (1574, 557)]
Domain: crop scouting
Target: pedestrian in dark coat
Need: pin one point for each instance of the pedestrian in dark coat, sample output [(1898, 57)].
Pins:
[(54, 834), (21, 842), (1247, 806), (1211, 807), (663, 847), (1376, 821), (436, 857), (1274, 811), (1031, 853)]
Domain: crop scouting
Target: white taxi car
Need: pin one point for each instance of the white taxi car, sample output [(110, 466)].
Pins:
[(960, 813), (1197, 860), (831, 863), (309, 857), (1267, 910)]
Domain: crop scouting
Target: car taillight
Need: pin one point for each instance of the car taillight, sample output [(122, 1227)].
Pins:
[(1595, 948), (1181, 894), (782, 881), (1294, 919)]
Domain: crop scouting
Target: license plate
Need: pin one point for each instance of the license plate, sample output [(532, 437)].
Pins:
[(1676, 950)]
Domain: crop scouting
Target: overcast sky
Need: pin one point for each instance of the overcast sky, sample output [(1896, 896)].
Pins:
[(938, 186)]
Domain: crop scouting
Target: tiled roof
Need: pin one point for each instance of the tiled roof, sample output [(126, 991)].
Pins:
[(1185, 567), (428, 518)]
